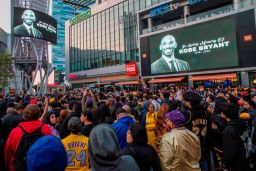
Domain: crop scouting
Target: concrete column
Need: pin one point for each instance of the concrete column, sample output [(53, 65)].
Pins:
[(150, 25), (237, 4), (186, 13), (245, 78)]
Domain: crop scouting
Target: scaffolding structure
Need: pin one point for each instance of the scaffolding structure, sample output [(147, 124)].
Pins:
[(31, 54)]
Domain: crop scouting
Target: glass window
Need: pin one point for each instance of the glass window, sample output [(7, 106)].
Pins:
[(136, 5), (143, 4), (148, 3)]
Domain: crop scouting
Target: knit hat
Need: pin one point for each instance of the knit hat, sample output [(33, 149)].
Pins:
[(74, 124), (88, 102), (176, 117), (244, 116), (47, 153)]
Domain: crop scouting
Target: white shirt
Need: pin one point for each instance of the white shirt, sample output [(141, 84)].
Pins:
[(168, 60), (29, 27)]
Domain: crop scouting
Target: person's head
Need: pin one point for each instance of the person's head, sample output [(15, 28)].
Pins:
[(101, 114), (103, 147), (247, 102), (77, 107), (127, 108), (64, 114), (168, 45), (54, 104), (137, 134), (229, 111), (87, 116), (50, 118), (74, 125), (160, 117), (121, 113), (192, 99), (47, 153), (175, 119), (31, 112), (28, 17), (166, 95), (151, 108), (210, 98), (254, 98)]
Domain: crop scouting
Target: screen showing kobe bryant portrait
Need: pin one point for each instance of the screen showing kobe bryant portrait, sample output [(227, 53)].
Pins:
[(209, 45), (35, 24)]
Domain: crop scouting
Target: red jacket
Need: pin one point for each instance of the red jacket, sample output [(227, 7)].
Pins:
[(15, 136)]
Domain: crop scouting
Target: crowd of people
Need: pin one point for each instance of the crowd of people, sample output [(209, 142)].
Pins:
[(168, 129)]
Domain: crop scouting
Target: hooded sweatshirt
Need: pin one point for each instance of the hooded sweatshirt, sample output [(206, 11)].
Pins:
[(121, 127), (234, 154), (105, 153), (15, 136)]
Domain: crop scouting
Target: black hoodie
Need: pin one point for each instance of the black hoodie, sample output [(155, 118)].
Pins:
[(234, 154), (105, 153)]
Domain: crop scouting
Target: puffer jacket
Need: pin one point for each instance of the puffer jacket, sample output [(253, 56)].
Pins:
[(151, 127), (180, 151)]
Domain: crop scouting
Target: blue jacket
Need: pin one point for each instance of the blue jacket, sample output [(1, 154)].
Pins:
[(121, 127)]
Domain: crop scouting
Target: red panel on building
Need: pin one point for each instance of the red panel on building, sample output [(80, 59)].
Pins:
[(72, 76), (131, 68)]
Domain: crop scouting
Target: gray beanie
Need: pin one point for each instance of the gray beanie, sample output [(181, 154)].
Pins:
[(74, 124)]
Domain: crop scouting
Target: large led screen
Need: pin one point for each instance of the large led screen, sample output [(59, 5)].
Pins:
[(35, 24), (210, 45)]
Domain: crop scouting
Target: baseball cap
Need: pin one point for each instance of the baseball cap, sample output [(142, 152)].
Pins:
[(176, 117)]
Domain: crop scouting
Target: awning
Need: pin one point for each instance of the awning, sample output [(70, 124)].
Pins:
[(103, 83), (163, 80), (127, 83), (214, 77)]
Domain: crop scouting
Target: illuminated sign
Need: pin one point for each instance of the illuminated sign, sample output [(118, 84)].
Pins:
[(80, 17), (72, 76), (165, 8), (131, 68), (192, 2)]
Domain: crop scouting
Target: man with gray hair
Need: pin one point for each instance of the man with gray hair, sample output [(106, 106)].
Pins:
[(27, 28), (168, 62)]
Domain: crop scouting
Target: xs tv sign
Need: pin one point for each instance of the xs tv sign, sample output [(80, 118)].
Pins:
[(165, 8)]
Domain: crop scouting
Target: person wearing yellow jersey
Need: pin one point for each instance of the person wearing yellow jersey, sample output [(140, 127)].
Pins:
[(151, 125), (76, 146)]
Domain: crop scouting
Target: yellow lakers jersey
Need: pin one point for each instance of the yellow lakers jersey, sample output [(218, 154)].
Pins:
[(77, 151)]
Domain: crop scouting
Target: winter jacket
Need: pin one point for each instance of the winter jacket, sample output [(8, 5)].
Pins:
[(151, 128), (145, 156), (234, 154), (180, 151), (142, 117), (15, 136), (121, 128), (200, 124), (105, 153)]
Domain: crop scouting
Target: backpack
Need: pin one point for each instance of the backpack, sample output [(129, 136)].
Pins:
[(25, 143)]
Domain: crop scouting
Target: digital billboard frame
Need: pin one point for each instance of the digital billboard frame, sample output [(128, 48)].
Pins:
[(245, 55), (35, 24)]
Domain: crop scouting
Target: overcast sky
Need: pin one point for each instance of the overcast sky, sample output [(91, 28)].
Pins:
[(5, 15)]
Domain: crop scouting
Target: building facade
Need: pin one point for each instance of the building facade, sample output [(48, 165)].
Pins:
[(61, 12), (99, 46), (3, 41), (105, 41)]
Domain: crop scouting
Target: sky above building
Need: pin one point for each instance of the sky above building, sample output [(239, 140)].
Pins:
[(5, 15)]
